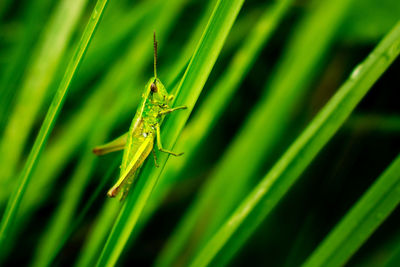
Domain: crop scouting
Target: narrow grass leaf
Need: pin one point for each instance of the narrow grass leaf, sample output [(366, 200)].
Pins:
[(48, 124), (47, 57), (63, 216), (11, 76)]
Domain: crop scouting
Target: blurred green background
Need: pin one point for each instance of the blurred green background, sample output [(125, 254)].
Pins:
[(278, 63)]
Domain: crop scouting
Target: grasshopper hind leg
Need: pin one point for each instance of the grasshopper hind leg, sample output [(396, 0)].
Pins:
[(159, 144)]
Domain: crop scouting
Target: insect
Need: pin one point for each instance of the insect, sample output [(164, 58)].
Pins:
[(138, 142)]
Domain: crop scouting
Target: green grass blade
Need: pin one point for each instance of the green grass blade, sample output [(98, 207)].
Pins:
[(269, 119), (265, 196), (46, 59), (63, 217), (12, 74), (24, 179), (191, 85), (361, 221)]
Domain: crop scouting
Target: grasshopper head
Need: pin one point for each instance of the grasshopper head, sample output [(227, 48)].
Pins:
[(157, 91)]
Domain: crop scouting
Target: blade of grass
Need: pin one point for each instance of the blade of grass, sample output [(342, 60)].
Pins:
[(10, 78), (56, 105), (268, 119), (361, 221), (264, 197), (46, 59), (64, 215), (209, 112), (188, 91)]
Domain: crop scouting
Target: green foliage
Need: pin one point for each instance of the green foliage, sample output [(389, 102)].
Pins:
[(298, 156), (280, 146), (49, 121), (366, 215), (372, 21)]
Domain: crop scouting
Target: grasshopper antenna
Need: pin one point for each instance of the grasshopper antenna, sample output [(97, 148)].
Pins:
[(155, 55)]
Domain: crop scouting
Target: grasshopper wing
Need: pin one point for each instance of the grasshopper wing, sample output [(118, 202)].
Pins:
[(128, 175)]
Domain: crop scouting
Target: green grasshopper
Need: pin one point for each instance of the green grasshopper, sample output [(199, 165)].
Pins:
[(145, 126)]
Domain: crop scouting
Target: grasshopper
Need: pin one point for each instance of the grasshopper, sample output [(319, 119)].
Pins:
[(145, 127)]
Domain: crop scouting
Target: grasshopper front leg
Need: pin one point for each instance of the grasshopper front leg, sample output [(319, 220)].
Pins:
[(159, 144), (169, 110)]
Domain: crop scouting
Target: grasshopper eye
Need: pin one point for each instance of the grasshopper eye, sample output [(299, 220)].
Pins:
[(153, 87)]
